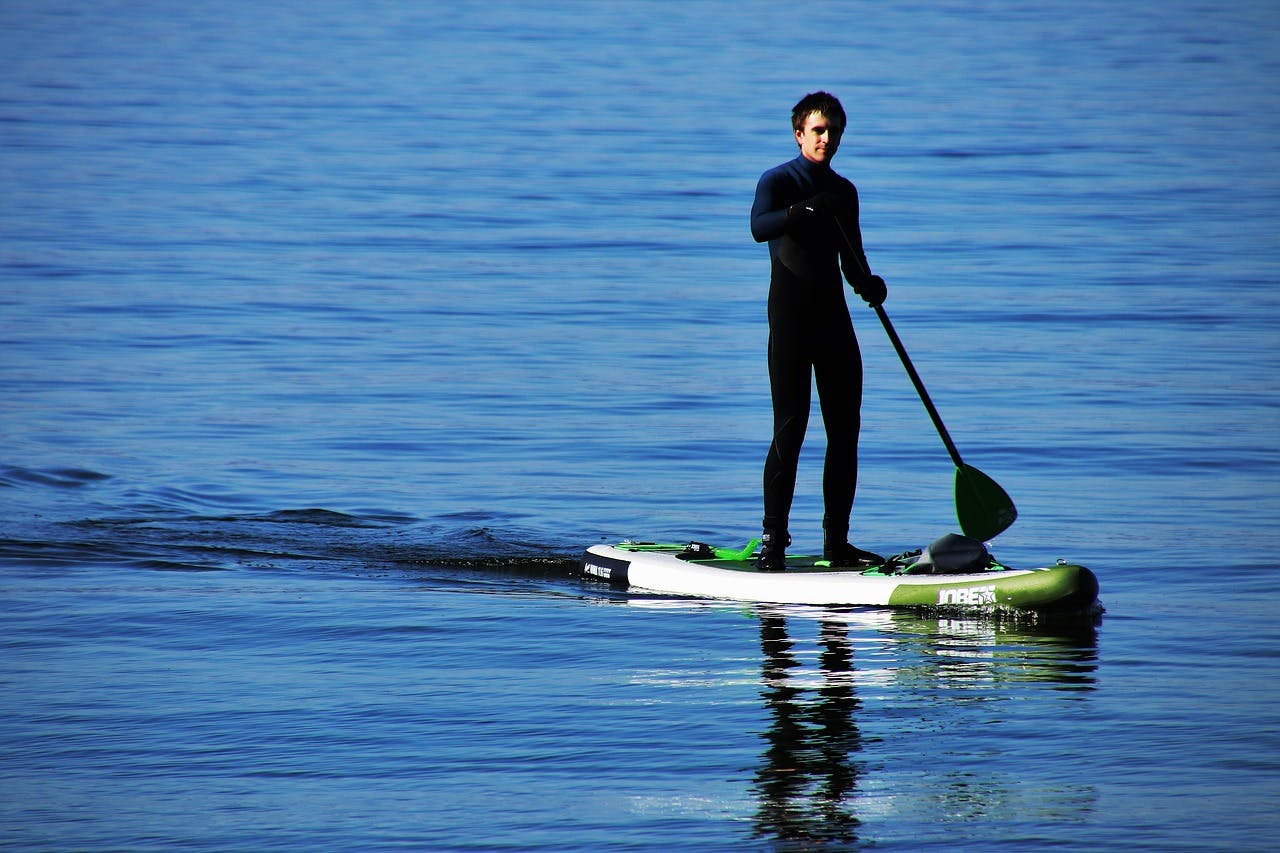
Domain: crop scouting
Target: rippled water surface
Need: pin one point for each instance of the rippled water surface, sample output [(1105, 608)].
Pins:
[(331, 333)]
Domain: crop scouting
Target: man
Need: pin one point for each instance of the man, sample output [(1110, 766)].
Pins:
[(809, 216)]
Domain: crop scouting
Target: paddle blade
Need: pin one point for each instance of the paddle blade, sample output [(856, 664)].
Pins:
[(983, 509)]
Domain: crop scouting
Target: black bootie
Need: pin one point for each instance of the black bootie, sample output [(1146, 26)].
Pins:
[(837, 551), (773, 551)]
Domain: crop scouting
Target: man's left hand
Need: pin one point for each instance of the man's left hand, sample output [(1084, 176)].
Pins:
[(872, 289)]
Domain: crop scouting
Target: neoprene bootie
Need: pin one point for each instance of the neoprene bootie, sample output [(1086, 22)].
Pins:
[(839, 553), (773, 552)]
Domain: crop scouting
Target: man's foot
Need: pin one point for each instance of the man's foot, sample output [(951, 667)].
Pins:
[(845, 555), (773, 553)]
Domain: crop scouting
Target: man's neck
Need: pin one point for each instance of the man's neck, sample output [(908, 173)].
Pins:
[(813, 164)]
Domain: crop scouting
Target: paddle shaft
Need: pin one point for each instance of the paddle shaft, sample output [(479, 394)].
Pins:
[(904, 358), (915, 380)]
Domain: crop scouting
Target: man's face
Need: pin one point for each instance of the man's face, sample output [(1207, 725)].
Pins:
[(819, 138)]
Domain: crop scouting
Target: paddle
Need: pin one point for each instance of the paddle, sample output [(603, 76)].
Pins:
[(983, 509)]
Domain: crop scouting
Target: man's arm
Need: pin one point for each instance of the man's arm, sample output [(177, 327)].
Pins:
[(853, 260), (772, 217), (768, 214)]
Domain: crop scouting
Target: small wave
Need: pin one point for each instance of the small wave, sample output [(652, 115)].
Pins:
[(153, 513), (313, 539), (173, 566), (12, 476), (77, 551), (325, 518)]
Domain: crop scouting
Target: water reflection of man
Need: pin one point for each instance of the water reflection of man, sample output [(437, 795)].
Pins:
[(808, 775)]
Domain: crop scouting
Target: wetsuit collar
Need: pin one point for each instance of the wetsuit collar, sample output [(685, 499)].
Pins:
[(811, 168), (810, 174)]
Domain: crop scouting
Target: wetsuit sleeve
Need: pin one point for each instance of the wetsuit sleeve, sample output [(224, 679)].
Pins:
[(853, 262), (769, 211)]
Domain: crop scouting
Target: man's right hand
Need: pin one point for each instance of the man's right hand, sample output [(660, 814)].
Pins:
[(822, 204)]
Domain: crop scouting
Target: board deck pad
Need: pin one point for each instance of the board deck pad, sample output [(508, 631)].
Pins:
[(744, 560)]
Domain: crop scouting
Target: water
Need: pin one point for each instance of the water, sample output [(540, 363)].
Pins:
[(331, 333)]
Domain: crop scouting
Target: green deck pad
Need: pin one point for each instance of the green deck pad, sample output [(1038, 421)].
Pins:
[(744, 554), (795, 565), (740, 554)]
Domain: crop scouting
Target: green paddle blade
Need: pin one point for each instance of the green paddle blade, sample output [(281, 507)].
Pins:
[(983, 509)]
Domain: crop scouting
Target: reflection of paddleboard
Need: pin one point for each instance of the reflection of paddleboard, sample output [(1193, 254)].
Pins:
[(910, 579)]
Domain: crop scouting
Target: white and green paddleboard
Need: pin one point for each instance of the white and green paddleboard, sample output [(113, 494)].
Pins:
[(976, 581)]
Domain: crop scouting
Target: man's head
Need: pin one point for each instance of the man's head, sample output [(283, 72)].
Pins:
[(818, 121)]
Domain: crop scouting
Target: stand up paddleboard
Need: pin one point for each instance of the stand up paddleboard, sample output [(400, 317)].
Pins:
[(954, 572)]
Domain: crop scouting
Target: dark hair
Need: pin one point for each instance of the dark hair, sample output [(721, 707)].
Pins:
[(824, 103)]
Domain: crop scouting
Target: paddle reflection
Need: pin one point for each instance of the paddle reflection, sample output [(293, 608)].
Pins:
[(807, 777)]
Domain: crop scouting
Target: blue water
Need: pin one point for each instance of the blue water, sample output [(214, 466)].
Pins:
[(330, 333)]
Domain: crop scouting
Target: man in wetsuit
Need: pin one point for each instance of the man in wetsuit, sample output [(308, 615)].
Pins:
[(809, 216)]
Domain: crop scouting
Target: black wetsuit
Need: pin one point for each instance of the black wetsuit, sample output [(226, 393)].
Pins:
[(810, 334)]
